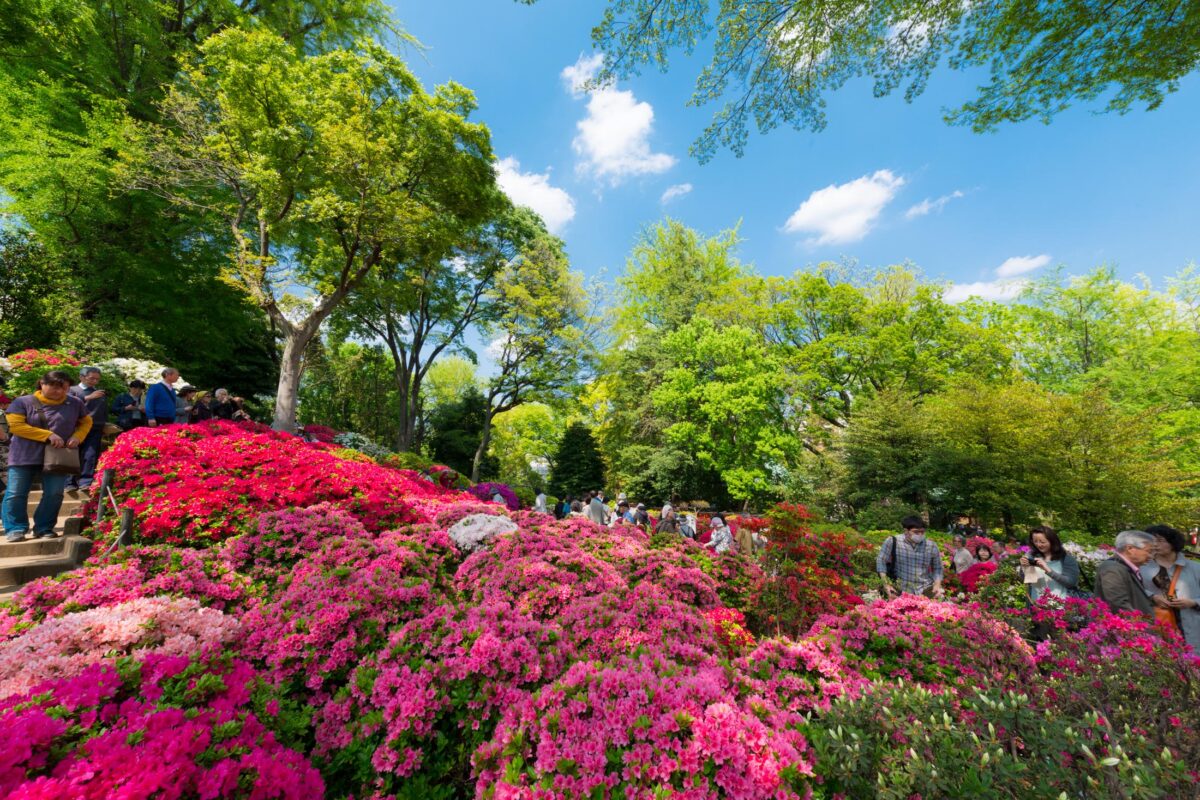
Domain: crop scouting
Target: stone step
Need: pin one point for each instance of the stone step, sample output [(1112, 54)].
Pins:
[(17, 570)]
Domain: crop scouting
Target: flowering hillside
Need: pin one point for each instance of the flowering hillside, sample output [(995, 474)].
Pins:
[(200, 484), (343, 629)]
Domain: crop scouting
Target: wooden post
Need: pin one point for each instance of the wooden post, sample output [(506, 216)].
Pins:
[(126, 536), (106, 481)]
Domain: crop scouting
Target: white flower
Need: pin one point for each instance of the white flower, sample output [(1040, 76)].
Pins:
[(474, 532), (356, 441), (128, 369)]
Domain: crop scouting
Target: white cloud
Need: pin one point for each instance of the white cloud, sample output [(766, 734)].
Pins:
[(578, 74), (928, 206), (1004, 287), (1019, 265), (675, 192), (845, 212), (986, 290), (613, 142), (533, 189)]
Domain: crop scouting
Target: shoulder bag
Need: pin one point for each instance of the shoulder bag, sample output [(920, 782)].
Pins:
[(57, 460)]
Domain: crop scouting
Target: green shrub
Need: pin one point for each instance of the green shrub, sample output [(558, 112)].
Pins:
[(900, 741)]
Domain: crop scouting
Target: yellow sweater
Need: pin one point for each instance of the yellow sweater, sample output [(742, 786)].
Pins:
[(17, 425)]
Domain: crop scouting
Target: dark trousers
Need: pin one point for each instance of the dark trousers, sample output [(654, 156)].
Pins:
[(89, 454)]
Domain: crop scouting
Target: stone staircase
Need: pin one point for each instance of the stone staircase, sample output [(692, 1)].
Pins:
[(22, 562)]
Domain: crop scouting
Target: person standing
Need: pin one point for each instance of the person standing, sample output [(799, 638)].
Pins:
[(202, 410), (1178, 578), (962, 556), (910, 564), (223, 407), (1055, 571), (95, 400), (52, 417), (669, 523), (160, 399), (687, 526), (1119, 578), (184, 402), (539, 503), (597, 512), (4, 440), (130, 406)]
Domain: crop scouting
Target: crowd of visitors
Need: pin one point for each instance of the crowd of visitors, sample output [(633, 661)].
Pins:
[(1147, 572), (717, 535), (56, 434)]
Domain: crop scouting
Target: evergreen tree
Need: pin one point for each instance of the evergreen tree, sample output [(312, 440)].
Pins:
[(578, 467)]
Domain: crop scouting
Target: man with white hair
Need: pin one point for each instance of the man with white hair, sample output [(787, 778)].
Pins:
[(1119, 579), (223, 407)]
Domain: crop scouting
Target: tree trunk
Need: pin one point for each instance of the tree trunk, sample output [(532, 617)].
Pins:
[(484, 441), (290, 367), (1006, 518)]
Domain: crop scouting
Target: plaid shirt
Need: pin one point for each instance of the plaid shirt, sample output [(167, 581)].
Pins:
[(918, 566)]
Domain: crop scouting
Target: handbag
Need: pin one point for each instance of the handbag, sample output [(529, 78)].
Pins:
[(57, 460), (1167, 617)]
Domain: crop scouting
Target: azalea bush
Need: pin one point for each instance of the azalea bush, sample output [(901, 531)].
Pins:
[(156, 726), (63, 647), (811, 573), (22, 369), (198, 485), (1124, 667), (632, 727), (929, 642), (486, 491), (127, 574), (321, 433)]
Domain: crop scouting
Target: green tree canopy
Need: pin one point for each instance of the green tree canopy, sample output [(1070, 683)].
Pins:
[(321, 168), (134, 277), (777, 61)]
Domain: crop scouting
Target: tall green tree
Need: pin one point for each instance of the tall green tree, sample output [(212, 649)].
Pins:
[(321, 169), (423, 307), (136, 277), (348, 386), (726, 395), (673, 275), (1116, 476), (454, 432), (524, 441), (886, 452), (995, 454), (27, 274), (542, 334), (777, 61)]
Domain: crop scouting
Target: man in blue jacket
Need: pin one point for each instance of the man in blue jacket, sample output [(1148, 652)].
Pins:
[(160, 399)]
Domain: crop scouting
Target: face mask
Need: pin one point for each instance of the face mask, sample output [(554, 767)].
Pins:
[(917, 539)]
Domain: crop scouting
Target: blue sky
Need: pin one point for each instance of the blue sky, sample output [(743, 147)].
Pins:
[(1087, 189)]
